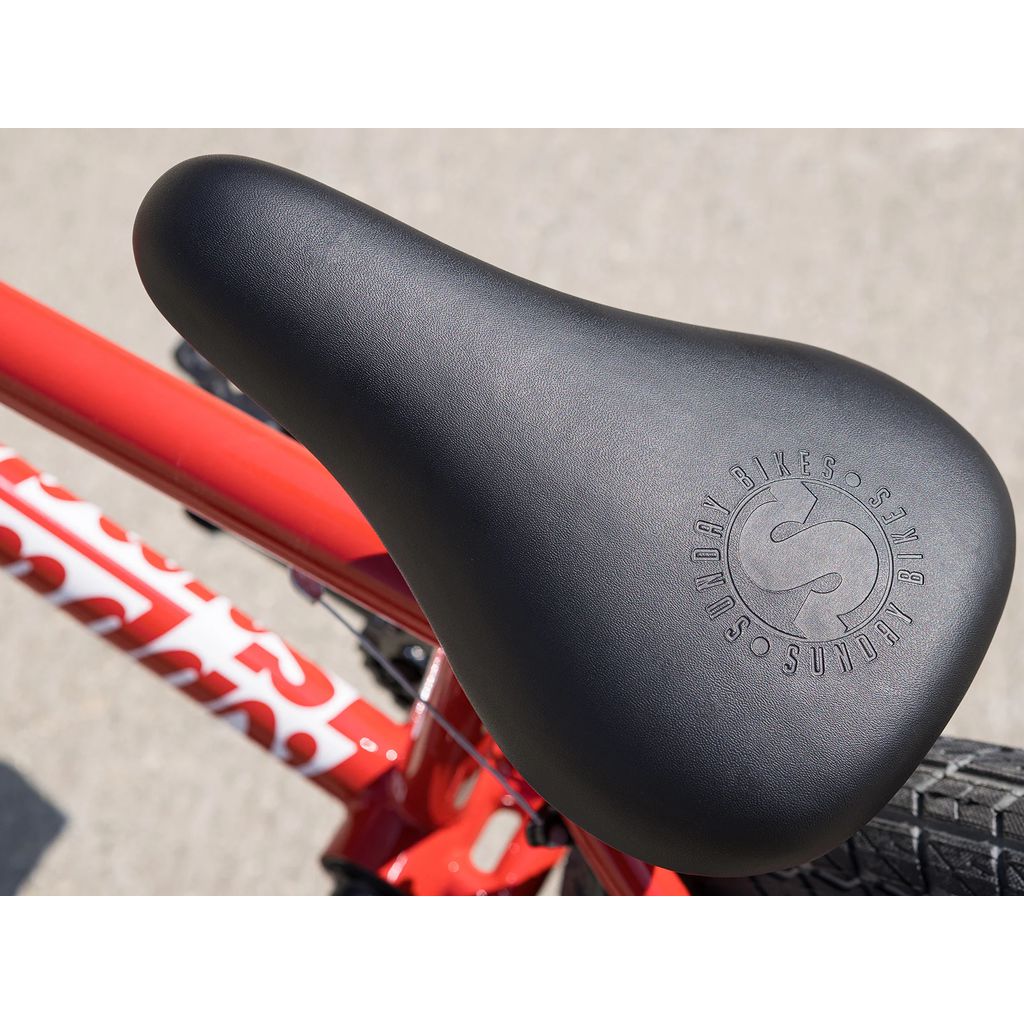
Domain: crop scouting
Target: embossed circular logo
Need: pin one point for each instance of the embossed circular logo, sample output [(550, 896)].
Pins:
[(807, 563), (808, 558)]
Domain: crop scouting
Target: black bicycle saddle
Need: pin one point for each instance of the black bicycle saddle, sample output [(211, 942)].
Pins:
[(715, 595)]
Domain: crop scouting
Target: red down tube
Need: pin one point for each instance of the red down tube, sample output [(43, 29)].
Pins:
[(162, 616)]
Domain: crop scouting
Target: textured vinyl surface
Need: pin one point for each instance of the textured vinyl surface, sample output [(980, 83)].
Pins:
[(714, 594)]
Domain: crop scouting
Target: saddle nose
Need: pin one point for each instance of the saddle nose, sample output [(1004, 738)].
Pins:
[(714, 595)]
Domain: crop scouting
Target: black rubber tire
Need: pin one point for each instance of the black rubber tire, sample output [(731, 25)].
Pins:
[(956, 828)]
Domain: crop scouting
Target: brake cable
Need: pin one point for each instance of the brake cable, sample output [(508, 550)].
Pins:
[(315, 592)]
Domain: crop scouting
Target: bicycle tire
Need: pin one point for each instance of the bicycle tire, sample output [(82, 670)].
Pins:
[(955, 828)]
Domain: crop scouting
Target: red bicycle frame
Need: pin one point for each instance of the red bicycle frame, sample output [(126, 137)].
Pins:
[(417, 805)]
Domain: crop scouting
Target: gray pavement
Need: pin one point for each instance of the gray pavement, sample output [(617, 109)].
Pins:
[(905, 250)]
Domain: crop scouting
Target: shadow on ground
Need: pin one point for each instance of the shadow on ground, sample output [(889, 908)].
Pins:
[(29, 823)]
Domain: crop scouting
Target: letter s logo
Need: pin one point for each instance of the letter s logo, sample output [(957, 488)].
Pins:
[(837, 557)]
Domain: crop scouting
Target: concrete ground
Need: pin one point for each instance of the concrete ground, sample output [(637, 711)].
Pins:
[(905, 250)]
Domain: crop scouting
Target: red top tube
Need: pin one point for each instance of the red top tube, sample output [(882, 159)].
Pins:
[(226, 466)]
